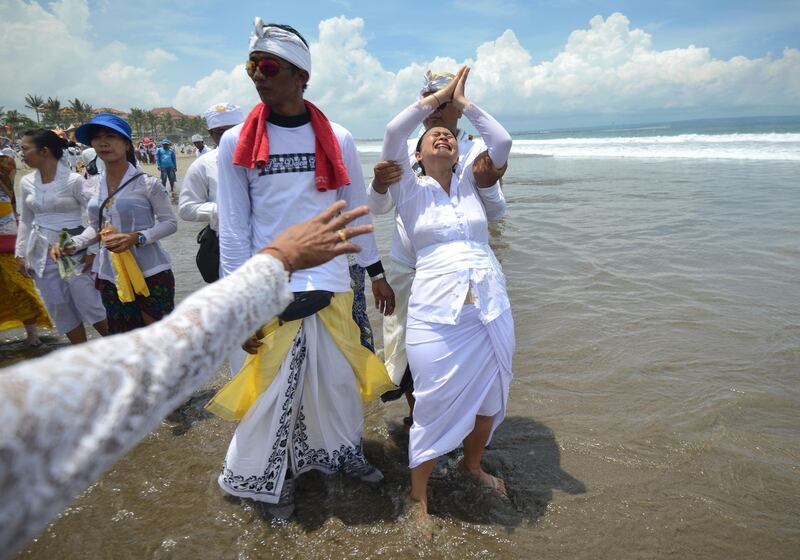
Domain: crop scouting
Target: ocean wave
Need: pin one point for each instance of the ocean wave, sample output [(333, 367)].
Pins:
[(738, 146), (762, 147), (769, 138), (653, 152)]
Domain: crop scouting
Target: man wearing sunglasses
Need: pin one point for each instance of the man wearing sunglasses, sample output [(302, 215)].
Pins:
[(401, 272), (299, 397)]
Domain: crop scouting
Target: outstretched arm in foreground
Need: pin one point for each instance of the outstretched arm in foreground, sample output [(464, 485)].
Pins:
[(68, 416)]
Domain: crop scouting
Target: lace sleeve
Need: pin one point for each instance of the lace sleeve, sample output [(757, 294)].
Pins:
[(67, 417)]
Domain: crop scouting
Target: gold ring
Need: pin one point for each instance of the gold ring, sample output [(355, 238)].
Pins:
[(342, 235)]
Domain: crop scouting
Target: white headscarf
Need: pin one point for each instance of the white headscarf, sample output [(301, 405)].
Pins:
[(282, 43)]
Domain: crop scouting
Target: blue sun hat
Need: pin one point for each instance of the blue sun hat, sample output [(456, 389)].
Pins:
[(108, 120)]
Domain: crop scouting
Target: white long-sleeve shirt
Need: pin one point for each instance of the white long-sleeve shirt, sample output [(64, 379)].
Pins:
[(198, 198), (142, 206), (199, 152), (256, 204), (46, 208), (401, 250), (68, 416), (449, 233)]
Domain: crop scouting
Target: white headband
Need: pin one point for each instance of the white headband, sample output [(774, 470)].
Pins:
[(223, 114), (434, 81), (282, 43)]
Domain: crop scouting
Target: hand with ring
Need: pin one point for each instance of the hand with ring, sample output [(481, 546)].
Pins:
[(309, 244)]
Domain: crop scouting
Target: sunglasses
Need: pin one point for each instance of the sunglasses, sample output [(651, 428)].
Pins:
[(267, 66)]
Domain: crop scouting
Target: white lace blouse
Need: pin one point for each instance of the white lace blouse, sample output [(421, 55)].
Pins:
[(68, 416)]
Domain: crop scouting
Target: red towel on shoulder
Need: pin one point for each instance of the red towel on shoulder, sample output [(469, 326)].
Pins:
[(252, 149)]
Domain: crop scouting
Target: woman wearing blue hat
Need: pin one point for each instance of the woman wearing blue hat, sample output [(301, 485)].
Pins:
[(130, 211)]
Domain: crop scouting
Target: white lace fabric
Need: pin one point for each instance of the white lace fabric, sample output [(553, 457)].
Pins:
[(67, 417)]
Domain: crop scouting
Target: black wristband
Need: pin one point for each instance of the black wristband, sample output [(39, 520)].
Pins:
[(374, 269)]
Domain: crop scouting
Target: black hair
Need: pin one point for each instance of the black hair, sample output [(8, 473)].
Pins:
[(418, 149), (293, 31), (130, 153), (44, 138)]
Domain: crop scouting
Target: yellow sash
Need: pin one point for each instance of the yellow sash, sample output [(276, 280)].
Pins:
[(234, 400), (130, 280), (5, 208)]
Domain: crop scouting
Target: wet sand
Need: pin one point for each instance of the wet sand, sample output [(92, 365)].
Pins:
[(653, 412)]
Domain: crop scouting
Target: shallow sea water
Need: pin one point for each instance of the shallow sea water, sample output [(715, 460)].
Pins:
[(654, 411)]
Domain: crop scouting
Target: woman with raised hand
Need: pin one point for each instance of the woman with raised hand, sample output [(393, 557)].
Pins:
[(460, 337), (53, 199), (130, 212)]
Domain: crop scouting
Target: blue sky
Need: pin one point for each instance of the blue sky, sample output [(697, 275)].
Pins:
[(538, 62)]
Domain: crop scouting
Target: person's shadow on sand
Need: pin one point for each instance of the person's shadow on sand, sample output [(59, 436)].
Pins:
[(523, 451)]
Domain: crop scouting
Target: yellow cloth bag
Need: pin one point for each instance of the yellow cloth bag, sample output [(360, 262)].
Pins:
[(234, 399), (130, 280)]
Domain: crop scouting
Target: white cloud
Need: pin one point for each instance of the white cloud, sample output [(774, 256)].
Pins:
[(158, 56), (233, 86), (611, 68), (68, 64), (606, 68), (74, 14)]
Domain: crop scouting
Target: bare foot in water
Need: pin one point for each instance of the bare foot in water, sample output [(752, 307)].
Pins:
[(485, 479), (419, 520), (495, 483), (32, 333)]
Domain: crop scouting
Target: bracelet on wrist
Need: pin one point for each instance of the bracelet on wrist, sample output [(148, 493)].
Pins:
[(281, 256)]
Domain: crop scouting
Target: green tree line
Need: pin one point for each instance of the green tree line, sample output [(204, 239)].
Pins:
[(50, 113)]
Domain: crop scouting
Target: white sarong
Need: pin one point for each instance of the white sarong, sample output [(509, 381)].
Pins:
[(310, 417), (459, 372)]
